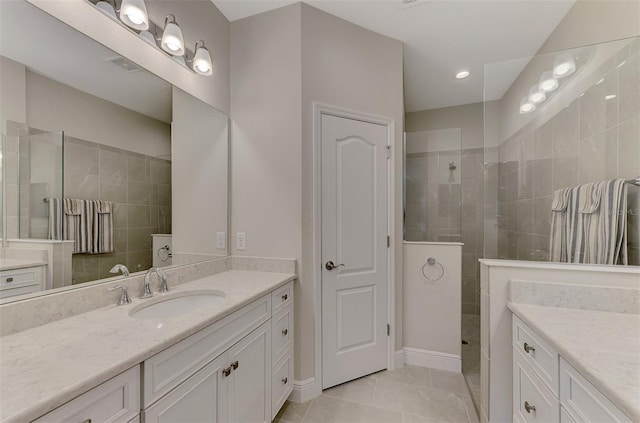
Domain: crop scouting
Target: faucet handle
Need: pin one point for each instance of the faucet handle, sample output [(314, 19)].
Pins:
[(124, 298)]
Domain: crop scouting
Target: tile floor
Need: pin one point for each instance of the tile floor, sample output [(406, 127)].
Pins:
[(471, 355), (407, 395)]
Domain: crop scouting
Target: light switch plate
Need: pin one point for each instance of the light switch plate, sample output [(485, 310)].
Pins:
[(241, 241), (221, 240)]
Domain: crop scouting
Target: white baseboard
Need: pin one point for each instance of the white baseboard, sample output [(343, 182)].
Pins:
[(398, 359), (433, 359), (303, 390)]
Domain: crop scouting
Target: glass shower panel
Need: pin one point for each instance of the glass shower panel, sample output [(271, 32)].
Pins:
[(40, 181), (585, 128), (433, 185)]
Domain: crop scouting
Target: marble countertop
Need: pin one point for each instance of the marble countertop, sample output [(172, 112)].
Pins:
[(44, 367), (13, 264), (603, 346)]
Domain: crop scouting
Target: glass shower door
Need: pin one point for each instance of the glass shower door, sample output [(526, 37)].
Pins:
[(40, 171)]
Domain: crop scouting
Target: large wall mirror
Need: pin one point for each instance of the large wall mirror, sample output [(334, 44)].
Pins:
[(100, 159)]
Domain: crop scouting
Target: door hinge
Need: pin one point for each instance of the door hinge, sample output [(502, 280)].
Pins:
[(388, 151), (388, 329), (388, 241)]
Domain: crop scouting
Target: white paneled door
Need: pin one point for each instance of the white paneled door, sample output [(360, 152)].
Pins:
[(354, 248)]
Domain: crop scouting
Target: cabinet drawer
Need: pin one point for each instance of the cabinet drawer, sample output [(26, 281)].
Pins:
[(281, 332), (167, 369), (11, 279), (116, 400), (538, 354), (28, 289), (583, 401), (281, 382), (532, 400), (282, 297)]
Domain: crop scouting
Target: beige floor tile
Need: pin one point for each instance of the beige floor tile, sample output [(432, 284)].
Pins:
[(448, 381), (292, 412), (425, 402), (359, 390), (471, 410), (325, 409), (410, 375)]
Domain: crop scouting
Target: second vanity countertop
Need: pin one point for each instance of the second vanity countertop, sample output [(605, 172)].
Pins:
[(46, 366), (603, 346)]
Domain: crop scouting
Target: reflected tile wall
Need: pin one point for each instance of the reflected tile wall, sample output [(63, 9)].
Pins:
[(593, 138), (140, 188)]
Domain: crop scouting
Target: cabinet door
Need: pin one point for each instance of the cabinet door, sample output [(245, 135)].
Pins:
[(201, 398), (250, 382)]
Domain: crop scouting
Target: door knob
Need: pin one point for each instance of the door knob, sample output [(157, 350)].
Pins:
[(330, 266)]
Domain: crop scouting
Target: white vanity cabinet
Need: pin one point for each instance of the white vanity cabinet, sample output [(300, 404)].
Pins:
[(548, 389), (226, 372), (22, 281)]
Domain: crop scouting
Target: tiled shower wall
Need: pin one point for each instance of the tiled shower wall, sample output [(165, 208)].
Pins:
[(140, 188), (592, 139), (446, 205)]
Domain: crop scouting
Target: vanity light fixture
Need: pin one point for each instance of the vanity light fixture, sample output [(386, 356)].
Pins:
[(202, 59), (148, 37), (526, 106), (172, 39), (536, 95), (462, 74), (548, 82), (564, 65), (133, 13)]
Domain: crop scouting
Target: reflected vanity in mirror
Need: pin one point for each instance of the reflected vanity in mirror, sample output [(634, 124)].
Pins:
[(89, 177)]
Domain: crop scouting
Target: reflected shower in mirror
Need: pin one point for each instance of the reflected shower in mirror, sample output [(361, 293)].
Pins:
[(567, 165), (88, 159)]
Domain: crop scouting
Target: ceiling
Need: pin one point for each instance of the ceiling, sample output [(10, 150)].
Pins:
[(442, 37), (71, 58)]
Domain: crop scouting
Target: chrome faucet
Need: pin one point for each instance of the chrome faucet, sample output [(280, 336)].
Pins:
[(164, 287), (120, 268)]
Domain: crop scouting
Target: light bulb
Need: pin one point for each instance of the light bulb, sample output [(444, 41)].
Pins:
[(133, 13), (202, 60), (526, 106), (564, 65), (462, 74), (547, 82), (172, 39)]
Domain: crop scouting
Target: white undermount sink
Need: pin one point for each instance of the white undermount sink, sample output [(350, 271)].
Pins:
[(178, 304)]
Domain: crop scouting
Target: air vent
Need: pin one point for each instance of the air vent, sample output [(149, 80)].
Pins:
[(413, 3), (125, 64)]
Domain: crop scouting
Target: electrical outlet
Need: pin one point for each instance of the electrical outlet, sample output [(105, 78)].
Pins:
[(221, 240), (241, 241)]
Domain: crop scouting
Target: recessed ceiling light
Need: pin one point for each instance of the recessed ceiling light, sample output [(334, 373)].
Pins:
[(462, 74), (610, 97), (536, 95)]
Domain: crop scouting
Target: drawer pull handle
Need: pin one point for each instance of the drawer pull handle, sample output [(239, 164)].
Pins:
[(285, 380), (9, 280), (226, 372), (529, 407), (285, 297), (235, 365), (285, 332), (528, 348)]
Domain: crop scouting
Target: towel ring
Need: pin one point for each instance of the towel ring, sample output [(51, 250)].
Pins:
[(163, 253), (432, 270)]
